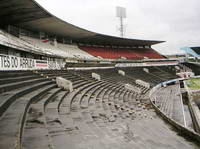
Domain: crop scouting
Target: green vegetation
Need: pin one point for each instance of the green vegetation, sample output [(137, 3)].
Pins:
[(194, 84), (194, 60)]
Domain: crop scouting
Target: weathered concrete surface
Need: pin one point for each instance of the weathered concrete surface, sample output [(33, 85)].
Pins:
[(99, 128)]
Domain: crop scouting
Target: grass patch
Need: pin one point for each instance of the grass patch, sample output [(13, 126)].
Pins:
[(194, 84)]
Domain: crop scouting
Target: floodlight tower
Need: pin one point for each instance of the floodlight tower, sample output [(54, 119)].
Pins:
[(121, 14)]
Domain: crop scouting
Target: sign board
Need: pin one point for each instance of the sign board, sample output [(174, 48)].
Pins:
[(9, 62)]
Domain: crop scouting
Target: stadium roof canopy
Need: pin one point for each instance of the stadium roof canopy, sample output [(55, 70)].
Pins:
[(194, 51), (30, 15)]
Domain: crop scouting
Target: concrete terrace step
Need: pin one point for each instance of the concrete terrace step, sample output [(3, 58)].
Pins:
[(106, 96), (93, 97), (12, 124), (17, 79), (82, 83), (78, 81), (6, 99), (12, 86), (54, 74), (76, 84), (11, 74), (73, 94), (55, 125), (36, 134), (86, 92), (71, 77), (84, 103), (50, 99)]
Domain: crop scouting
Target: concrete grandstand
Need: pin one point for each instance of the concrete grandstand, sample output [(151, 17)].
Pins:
[(62, 86), (33, 24)]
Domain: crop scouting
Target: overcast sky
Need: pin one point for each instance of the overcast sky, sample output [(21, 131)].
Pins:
[(174, 21)]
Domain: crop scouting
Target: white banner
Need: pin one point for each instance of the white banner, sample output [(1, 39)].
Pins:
[(161, 63), (8, 62), (129, 65), (145, 64)]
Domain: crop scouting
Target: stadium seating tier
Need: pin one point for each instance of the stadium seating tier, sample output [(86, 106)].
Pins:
[(120, 53), (35, 113)]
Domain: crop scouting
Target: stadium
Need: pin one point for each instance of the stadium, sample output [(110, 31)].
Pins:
[(192, 52), (64, 87)]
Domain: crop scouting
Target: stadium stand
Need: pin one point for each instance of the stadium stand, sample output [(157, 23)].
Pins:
[(194, 67), (34, 45), (45, 106), (16, 97), (45, 46), (114, 53), (64, 50), (14, 42), (112, 111), (169, 100), (109, 53), (37, 110), (75, 52), (149, 53), (155, 76)]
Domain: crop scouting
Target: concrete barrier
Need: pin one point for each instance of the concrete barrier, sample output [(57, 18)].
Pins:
[(65, 84), (96, 76), (121, 72), (146, 70)]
